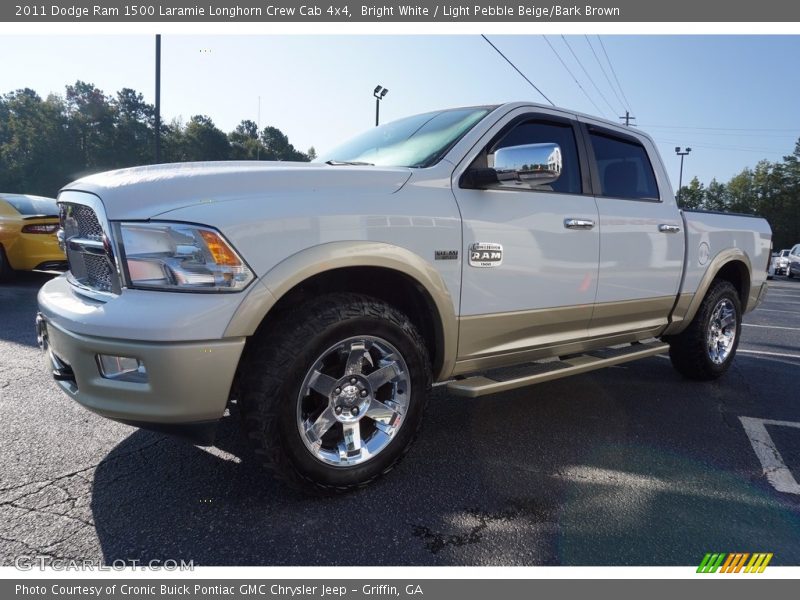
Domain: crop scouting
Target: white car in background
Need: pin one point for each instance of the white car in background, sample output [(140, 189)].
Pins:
[(780, 263), (794, 262)]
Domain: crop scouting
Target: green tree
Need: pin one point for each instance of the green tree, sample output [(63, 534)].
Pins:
[(790, 229), (45, 144), (91, 120), (204, 141), (278, 147), (716, 196), (245, 143), (741, 192), (198, 140), (172, 141), (134, 139), (693, 195), (35, 152)]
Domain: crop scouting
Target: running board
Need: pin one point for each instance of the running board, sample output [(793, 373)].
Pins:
[(510, 378)]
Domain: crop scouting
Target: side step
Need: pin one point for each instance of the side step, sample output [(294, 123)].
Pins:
[(502, 380)]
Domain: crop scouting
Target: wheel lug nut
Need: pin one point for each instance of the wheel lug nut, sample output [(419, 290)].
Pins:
[(363, 393), (354, 411), (337, 391), (353, 380), (338, 410)]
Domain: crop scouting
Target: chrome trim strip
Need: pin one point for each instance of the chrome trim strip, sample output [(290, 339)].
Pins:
[(86, 246)]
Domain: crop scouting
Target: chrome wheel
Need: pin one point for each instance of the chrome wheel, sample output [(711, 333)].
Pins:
[(721, 333), (353, 401)]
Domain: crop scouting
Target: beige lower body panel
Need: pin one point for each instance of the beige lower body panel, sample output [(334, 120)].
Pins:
[(498, 340)]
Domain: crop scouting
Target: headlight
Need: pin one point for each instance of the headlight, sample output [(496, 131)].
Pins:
[(175, 256)]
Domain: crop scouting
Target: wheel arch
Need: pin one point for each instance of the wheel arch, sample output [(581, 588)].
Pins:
[(388, 272), (731, 265)]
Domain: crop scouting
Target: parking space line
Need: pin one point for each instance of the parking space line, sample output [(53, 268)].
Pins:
[(780, 354), (788, 312), (778, 474), (770, 326)]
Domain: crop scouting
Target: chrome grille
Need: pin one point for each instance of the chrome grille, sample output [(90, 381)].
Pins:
[(99, 274), (86, 223), (87, 243)]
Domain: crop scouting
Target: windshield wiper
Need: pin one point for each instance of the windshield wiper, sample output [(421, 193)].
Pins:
[(338, 163)]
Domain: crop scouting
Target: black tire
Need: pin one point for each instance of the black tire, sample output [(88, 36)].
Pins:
[(6, 272), (689, 350), (276, 365)]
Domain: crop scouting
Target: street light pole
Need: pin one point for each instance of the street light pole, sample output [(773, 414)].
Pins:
[(681, 153), (379, 93), (158, 98)]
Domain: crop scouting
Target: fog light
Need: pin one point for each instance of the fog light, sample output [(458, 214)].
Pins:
[(122, 368)]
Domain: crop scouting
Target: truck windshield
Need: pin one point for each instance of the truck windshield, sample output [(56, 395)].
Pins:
[(417, 141)]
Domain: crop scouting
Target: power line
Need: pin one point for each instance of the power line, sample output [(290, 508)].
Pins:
[(517, 70), (724, 134), (589, 77), (608, 80), (718, 128), (578, 83), (724, 147), (614, 73)]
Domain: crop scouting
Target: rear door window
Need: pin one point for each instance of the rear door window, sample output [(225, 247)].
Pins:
[(624, 169)]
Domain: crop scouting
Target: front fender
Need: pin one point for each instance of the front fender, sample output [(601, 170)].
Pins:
[(312, 261)]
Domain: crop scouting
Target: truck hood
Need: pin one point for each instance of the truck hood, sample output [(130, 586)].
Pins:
[(146, 192)]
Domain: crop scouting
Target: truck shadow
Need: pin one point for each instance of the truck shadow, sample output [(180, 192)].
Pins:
[(595, 470)]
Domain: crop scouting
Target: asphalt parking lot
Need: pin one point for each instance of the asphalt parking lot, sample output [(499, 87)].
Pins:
[(627, 466)]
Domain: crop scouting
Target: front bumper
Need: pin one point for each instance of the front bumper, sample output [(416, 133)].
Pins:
[(186, 388)]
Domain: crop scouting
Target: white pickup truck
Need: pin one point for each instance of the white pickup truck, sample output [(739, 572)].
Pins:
[(483, 248)]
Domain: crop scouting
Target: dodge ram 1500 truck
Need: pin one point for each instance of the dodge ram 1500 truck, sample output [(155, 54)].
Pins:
[(483, 248)]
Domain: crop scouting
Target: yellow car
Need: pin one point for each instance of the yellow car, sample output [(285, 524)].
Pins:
[(28, 226)]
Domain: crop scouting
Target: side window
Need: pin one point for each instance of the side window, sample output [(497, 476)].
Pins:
[(624, 168), (541, 132)]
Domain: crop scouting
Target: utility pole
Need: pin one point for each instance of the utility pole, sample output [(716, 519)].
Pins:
[(258, 131), (379, 93), (628, 118), (158, 98), (681, 153)]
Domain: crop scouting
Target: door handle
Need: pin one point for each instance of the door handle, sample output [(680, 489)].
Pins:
[(664, 228), (578, 223)]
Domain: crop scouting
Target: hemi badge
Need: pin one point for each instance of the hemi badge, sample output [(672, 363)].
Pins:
[(446, 254), (485, 254)]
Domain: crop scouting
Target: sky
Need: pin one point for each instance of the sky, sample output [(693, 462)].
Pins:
[(733, 99)]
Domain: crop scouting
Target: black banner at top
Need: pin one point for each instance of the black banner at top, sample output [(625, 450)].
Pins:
[(176, 11)]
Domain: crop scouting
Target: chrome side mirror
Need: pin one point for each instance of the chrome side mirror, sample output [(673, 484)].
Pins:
[(530, 165)]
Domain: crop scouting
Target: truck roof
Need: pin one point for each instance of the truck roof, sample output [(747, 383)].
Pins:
[(574, 113)]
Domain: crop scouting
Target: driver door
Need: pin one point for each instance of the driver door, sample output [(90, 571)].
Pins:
[(536, 287)]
